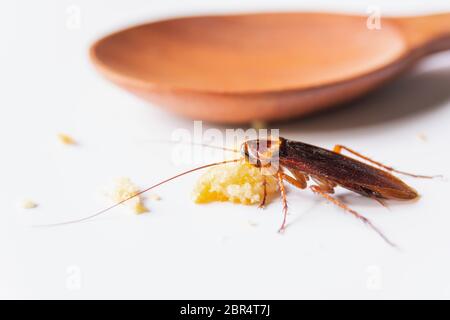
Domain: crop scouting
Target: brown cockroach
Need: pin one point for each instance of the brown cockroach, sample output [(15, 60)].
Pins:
[(298, 163)]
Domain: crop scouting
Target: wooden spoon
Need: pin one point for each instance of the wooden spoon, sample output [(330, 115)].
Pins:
[(268, 66)]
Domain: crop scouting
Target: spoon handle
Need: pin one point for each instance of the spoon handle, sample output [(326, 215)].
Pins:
[(426, 33)]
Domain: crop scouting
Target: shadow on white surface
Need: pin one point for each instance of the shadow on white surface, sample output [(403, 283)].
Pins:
[(412, 95)]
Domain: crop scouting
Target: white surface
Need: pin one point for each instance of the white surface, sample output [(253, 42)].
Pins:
[(182, 250)]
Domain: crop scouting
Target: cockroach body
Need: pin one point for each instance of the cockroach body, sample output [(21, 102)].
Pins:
[(297, 163), (331, 168), (328, 169)]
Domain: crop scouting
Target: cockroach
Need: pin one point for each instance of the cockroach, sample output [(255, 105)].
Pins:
[(298, 163)]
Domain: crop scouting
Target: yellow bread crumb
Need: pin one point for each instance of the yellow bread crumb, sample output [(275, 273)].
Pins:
[(124, 189), (66, 139), (29, 204), (140, 208), (234, 182)]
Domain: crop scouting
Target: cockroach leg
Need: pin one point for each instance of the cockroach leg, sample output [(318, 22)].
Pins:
[(380, 202), (338, 149), (301, 177), (263, 201), (284, 199), (317, 190), (325, 185), (301, 184)]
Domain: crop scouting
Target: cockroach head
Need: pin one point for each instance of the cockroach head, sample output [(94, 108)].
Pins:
[(261, 152)]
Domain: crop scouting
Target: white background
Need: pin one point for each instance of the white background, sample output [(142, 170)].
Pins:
[(184, 250)]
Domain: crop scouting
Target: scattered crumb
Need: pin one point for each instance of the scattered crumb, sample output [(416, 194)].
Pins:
[(140, 208), (153, 196), (234, 182), (422, 137), (124, 189), (29, 204), (258, 124), (252, 223), (224, 239), (66, 139)]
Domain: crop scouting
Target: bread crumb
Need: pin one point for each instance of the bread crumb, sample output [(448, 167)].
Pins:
[(29, 204), (422, 137), (233, 182), (66, 139), (153, 196), (123, 190), (140, 208), (252, 223)]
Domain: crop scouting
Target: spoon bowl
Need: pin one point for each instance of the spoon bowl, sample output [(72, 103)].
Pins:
[(267, 66)]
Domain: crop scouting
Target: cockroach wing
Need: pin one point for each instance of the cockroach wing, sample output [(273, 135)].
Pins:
[(347, 172)]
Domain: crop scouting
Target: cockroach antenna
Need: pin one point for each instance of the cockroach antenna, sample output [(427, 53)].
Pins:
[(193, 143), (327, 168), (137, 194)]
